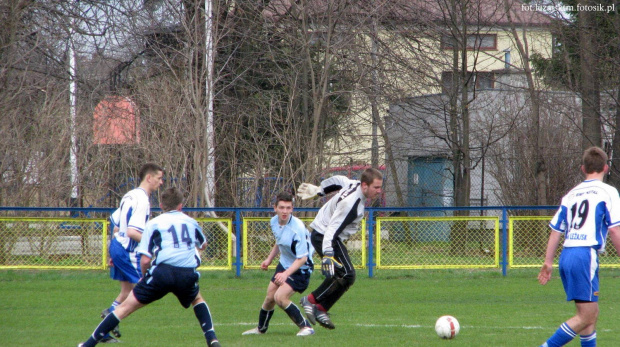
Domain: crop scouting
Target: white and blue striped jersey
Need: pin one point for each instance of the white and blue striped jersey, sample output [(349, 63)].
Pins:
[(293, 240), (133, 212), (172, 238), (585, 214), (341, 215)]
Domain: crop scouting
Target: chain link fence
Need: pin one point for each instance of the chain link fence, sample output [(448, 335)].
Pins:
[(219, 252), (527, 244), (48, 243), (437, 242), (258, 241), (243, 239)]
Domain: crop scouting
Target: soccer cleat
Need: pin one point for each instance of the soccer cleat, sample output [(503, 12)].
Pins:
[(309, 309), (109, 339), (254, 331), (116, 331), (215, 343), (105, 313), (80, 344), (323, 319), (305, 331)]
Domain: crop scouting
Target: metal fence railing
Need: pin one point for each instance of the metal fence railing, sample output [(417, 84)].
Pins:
[(239, 238)]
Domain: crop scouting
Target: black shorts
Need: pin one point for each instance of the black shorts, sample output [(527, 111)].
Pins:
[(299, 280), (181, 281)]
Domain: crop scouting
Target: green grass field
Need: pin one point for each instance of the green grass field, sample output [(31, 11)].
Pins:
[(395, 308)]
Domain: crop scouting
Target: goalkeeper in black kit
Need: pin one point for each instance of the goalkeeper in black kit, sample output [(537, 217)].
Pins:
[(338, 219)]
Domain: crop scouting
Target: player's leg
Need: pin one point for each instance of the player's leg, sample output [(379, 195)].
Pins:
[(126, 270), (266, 312), (283, 299), (329, 292), (184, 283), (203, 314), (584, 322), (130, 305), (578, 267)]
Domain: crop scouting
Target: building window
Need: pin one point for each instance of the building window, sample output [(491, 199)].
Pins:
[(482, 42), (482, 80)]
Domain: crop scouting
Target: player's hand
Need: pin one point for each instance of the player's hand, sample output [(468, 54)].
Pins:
[(265, 265), (280, 278), (545, 274), (308, 191), (329, 264)]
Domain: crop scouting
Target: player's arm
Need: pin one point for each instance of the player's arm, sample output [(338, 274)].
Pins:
[(552, 246), (328, 185), (281, 277), (145, 264), (275, 250), (134, 234), (614, 236)]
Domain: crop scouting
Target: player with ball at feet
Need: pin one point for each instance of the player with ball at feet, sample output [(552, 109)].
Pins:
[(338, 219), (589, 212)]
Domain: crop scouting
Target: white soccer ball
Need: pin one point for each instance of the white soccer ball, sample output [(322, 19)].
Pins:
[(447, 327)]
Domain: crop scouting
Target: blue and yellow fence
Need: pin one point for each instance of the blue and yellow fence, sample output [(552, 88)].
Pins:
[(389, 238)]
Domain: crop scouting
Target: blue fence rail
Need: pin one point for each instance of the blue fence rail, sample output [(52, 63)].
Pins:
[(237, 215)]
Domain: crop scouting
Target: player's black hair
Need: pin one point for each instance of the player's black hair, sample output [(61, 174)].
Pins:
[(369, 175), (594, 160), (148, 168), (284, 196), (171, 198)]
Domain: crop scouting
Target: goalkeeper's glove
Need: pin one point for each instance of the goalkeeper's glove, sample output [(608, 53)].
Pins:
[(308, 191), (329, 264)]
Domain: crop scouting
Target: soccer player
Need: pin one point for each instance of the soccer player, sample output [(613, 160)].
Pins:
[(293, 271), (338, 219), (129, 221), (586, 215), (168, 263)]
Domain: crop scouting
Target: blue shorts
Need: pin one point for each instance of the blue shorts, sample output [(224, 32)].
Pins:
[(164, 279), (126, 265), (299, 280), (579, 273)]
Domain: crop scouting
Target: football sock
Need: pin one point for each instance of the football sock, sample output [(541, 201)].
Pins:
[(588, 340), (311, 299), (263, 319), (114, 305), (107, 324), (203, 314), (320, 307), (562, 336), (293, 312)]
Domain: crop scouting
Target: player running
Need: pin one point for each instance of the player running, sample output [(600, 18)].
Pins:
[(338, 219), (293, 271), (168, 264), (129, 221), (586, 215)]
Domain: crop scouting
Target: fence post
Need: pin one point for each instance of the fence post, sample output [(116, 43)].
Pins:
[(371, 228), (238, 262), (504, 241)]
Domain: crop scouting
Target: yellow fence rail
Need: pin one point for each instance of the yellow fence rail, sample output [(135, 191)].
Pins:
[(437, 242), (258, 241), (53, 243), (71, 243), (219, 252), (400, 243), (527, 243)]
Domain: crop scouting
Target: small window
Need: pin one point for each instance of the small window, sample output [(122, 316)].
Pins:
[(474, 42), (483, 80)]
